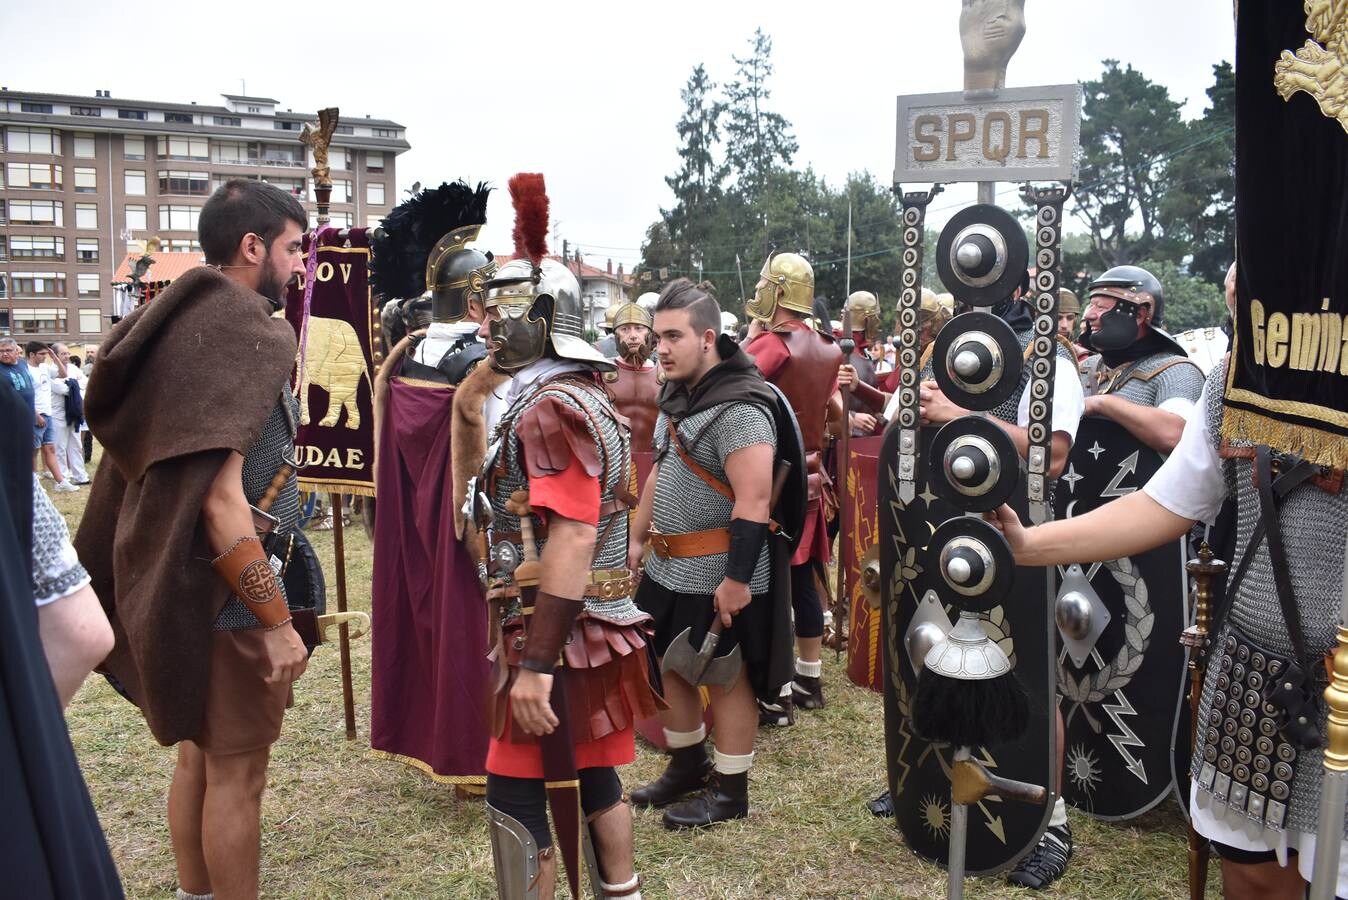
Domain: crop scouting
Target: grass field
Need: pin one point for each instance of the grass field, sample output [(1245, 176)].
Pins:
[(338, 824)]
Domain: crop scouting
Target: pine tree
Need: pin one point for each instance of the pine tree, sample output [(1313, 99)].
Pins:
[(697, 183), (757, 139)]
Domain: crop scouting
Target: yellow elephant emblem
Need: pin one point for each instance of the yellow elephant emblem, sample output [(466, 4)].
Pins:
[(334, 362)]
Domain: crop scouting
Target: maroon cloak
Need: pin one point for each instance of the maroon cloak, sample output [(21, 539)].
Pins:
[(429, 669)]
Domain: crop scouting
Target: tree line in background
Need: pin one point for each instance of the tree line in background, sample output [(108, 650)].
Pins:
[(1154, 190)]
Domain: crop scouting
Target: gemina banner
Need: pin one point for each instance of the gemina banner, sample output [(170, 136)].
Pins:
[(334, 372), (1288, 383)]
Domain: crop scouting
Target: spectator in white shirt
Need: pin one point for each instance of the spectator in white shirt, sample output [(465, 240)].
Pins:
[(45, 429), (69, 452)]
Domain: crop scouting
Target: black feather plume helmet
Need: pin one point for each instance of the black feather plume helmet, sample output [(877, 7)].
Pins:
[(412, 228)]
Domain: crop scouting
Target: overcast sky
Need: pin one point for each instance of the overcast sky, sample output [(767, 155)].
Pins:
[(588, 92)]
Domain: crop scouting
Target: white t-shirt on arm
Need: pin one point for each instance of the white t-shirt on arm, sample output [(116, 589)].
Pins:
[(1069, 401), (1190, 482)]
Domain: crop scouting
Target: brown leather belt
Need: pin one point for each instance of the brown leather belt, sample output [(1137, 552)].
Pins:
[(691, 543), (604, 584)]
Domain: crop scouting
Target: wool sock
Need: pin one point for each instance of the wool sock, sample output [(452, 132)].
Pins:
[(729, 764), (183, 895), (628, 890), (809, 669), (1059, 816), (677, 740)]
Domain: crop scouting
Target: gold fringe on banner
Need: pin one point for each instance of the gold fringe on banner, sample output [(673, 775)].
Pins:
[(1320, 447), (324, 486)]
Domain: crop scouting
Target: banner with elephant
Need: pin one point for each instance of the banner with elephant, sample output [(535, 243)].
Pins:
[(334, 370)]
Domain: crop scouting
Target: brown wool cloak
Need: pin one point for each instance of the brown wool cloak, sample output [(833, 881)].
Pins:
[(181, 381)]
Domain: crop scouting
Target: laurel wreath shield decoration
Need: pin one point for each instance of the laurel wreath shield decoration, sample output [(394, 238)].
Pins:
[(1139, 620)]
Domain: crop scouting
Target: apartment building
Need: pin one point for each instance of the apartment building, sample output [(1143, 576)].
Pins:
[(85, 180)]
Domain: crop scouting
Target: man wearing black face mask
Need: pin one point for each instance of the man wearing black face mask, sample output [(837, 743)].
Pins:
[(1138, 376)]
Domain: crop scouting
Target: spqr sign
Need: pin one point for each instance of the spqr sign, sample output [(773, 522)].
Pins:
[(1021, 134)]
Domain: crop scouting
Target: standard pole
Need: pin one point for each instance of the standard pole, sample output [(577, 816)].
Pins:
[(959, 833), (344, 637)]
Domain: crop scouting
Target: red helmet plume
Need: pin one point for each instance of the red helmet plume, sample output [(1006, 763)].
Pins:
[(530, 198)]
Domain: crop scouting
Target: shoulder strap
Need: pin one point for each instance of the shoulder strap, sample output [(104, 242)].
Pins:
[(712, 481)]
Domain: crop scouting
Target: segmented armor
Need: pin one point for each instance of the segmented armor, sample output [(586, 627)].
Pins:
[(1149, 381)]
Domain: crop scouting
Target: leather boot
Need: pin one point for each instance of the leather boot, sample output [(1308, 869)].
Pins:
[(688, 771), (807, 692), (726, 798)]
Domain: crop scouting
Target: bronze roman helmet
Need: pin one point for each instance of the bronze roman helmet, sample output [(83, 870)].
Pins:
[(420, 246), (456, 274), (631, 314), (537, 298), (787, 280), (864, 312)]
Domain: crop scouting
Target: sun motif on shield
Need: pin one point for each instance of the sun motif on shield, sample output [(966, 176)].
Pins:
[(936, 815), (1083, 768)]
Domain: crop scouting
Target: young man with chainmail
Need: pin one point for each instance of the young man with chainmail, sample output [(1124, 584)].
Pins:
[(706, 508), (204, 640)]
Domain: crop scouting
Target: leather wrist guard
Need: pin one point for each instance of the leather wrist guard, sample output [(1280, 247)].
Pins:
[(549, 626), (746, 543), (245, 569)]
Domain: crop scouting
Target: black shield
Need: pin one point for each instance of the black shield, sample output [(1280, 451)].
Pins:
[(789, 512), (1000, 832), (1119, 705)]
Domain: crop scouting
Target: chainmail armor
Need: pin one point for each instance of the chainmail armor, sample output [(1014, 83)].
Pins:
[(615, 452), (274, 445), (1180, 380), (1315, 528), (684, 502)]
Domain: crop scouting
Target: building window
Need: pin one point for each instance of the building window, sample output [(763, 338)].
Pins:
[(37, 212), (33, 140), (138, 114), (373, 221), (374, 193), (374, 161), (86, 111), (86, 250), (179, 245), (281, 125), (278, 155), (341, 191), (339, 159), (386, 132), (86, 181), (232, 121), (135, 182), (255, 109), (196, 184), (84, 146), (340, 219), (41, 247), (38, 284), (39, 321), (35, 107), (181, 118), (292, 186), (178, 218), (345, 129), (87, 284), (235, 153), (91, 321), (86, 215), (33, 176), (182, 148), (137, 218), (133, 147)]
